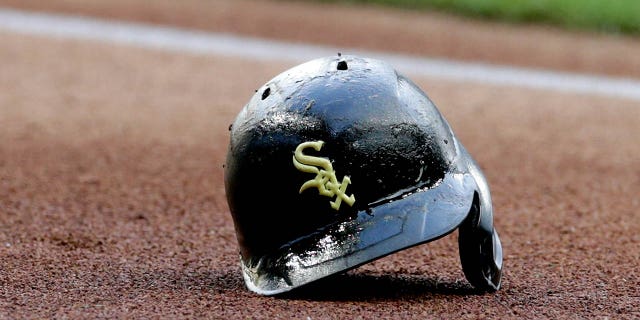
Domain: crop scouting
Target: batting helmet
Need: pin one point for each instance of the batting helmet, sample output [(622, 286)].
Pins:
[(340, 161)]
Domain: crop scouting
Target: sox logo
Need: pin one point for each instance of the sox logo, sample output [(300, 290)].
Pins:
[(325, 181)]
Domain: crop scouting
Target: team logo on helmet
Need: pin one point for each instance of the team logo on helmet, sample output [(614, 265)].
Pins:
[(325, 180)]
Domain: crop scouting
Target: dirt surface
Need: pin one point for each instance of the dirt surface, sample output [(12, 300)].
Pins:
[(419, 33), (112, 202)]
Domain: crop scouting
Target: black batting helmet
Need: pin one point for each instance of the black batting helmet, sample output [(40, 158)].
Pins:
[(340, 161)]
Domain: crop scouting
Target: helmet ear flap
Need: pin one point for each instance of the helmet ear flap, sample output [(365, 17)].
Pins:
[(480, 250)]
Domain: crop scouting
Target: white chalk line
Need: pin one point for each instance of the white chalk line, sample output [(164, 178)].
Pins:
[(199, 42)]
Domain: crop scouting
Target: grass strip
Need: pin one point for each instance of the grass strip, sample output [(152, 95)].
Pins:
[(614, 16)]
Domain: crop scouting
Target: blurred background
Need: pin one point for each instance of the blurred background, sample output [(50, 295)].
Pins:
[(592, 36)]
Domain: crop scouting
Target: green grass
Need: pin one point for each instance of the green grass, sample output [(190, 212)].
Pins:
[(617, 16)]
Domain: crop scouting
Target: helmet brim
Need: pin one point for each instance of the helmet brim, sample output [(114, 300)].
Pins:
[(397, 223)]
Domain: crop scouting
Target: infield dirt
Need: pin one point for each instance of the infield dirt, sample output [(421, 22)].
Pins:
[(112, 202), (371, 27)]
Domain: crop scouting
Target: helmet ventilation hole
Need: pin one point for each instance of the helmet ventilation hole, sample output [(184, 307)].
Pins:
[(266, 93), (342, 65)]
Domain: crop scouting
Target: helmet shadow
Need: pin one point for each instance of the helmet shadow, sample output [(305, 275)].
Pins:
[(354, 286), (350, 286)]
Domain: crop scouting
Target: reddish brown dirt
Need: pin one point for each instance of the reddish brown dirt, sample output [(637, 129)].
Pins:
[(375, 28), (112, 202)]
